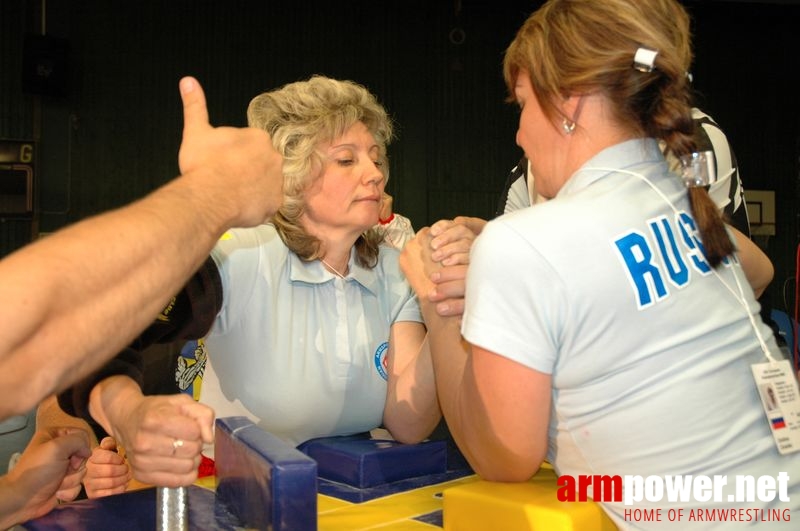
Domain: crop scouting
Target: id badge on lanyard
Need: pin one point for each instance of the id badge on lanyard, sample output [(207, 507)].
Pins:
[(780, 398)]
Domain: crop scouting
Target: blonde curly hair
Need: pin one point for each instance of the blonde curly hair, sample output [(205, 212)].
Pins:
[(299, 117)]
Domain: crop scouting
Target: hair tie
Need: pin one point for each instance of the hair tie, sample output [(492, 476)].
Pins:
[(698, 169), (645, 59)]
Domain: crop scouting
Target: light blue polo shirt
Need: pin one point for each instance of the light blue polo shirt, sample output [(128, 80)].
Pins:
[(649, 352), (298, 350)]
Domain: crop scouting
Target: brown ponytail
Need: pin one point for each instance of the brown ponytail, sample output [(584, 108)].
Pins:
[(716, 241)]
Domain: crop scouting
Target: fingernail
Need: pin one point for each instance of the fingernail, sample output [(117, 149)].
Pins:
[(442, 308), (187, 85), (436, 276)]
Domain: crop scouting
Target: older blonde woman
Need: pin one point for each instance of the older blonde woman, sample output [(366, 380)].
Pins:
[(311, 329)]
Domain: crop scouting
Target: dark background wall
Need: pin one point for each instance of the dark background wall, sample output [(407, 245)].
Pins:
[(113, 134)]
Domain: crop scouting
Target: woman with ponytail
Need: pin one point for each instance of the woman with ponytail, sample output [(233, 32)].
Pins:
[(609, 330)]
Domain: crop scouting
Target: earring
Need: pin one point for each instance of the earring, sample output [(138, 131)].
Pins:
[(568, 125)]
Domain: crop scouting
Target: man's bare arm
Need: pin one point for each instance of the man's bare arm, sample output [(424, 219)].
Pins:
[(75, 298)]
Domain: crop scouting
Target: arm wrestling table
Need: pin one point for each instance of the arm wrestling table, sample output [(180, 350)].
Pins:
[(338, 484)]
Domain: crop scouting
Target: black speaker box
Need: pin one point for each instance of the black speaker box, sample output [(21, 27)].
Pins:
[(45, 65)]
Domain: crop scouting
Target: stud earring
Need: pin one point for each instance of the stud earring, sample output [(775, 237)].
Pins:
[(568, 127)]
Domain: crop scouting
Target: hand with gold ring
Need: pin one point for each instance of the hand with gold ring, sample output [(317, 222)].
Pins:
[(162, 435)]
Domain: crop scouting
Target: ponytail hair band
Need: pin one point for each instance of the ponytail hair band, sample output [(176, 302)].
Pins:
[(645, 59)]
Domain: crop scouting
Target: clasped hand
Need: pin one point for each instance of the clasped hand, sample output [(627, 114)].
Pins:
[(436, 261)]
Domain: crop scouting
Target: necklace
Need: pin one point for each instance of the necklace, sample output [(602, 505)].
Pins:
[(333, 269)]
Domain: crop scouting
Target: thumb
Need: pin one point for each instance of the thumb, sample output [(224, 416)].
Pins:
[(195, 111), (474, 224), (108, 443), (204, 416)]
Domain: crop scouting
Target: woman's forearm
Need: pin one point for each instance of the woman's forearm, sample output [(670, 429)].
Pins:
[(412, 407)]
